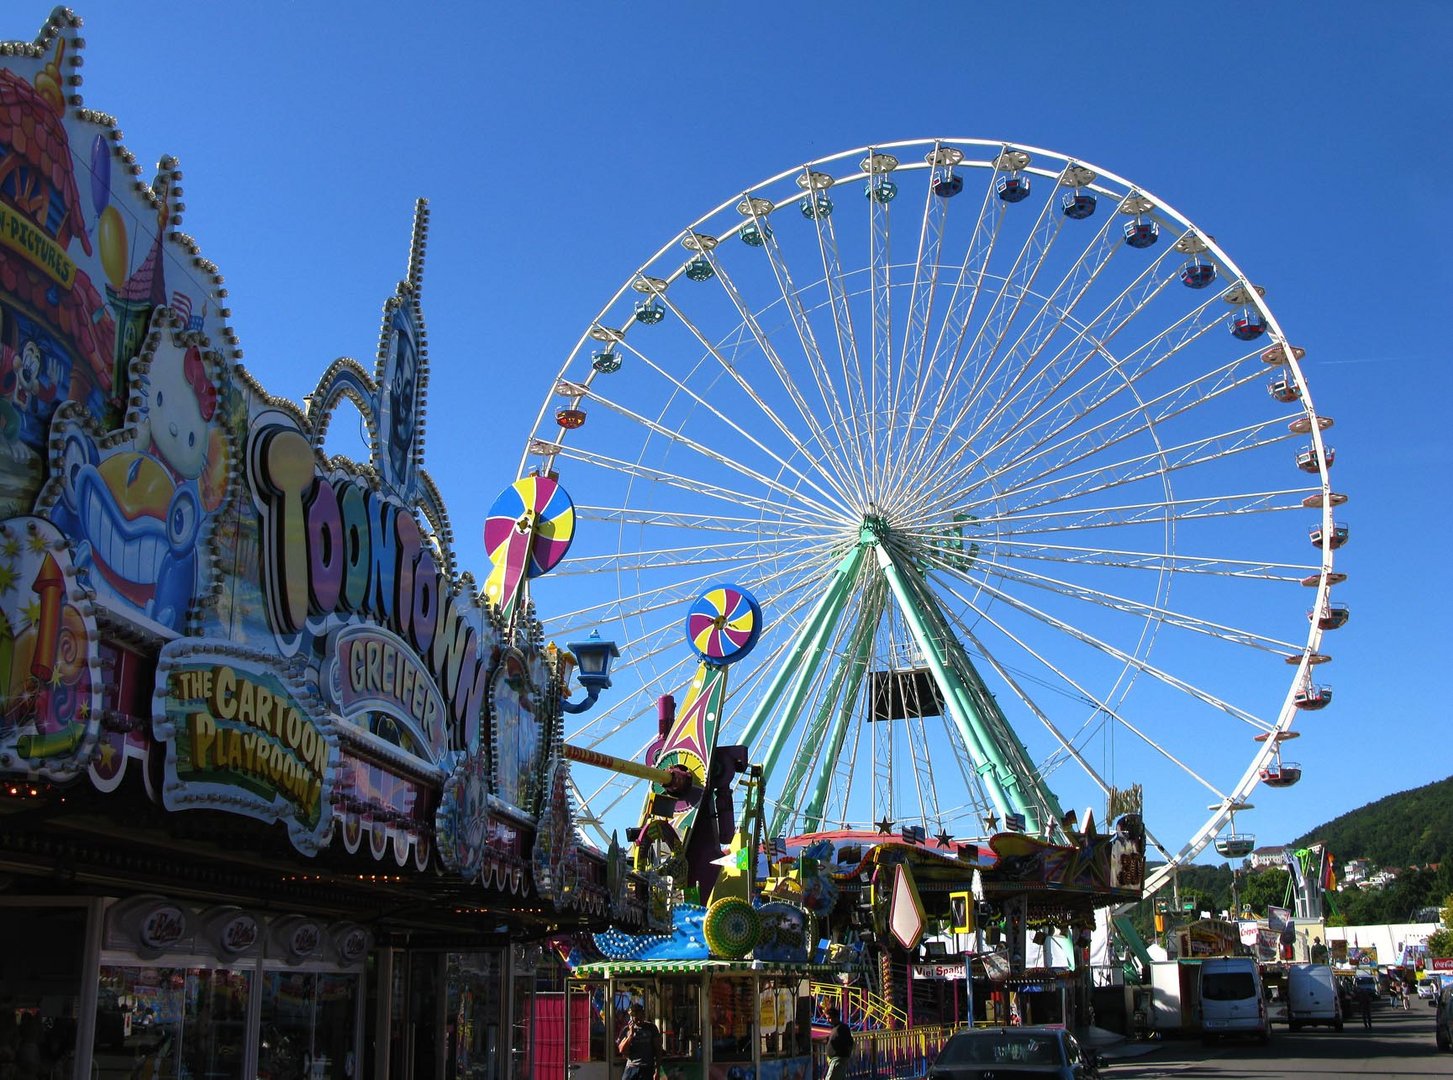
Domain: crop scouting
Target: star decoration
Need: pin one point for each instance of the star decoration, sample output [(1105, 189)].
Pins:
[(10, 548), (944, 837), (8, 577), (31, 613), (37, 543), (991, 822), (885, 827)]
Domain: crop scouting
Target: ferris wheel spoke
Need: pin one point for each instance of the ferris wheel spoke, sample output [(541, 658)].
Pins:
[(651, 601), (964, 298), (845, 329), (1101, 706), (843, 420), (1155, 514), (922, 291), (1140, 609), (810, 513), (721, 458), (1050, 414), (1130, 659), (880, 294), (686, 557), (994, 390), (1053, 486), (916, 735), (1154, 561), (975, 802), (1067, 748), (835, 497), (784, 376), (1053, 457), (669, 522), (1090, 340), (732, 371), (999, 317)]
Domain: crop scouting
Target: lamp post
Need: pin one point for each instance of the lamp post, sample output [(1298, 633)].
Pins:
[(592, 661)]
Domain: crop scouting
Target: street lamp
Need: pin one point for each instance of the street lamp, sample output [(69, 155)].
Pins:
[(592, 660)]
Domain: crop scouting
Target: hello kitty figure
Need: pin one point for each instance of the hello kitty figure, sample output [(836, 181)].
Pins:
[(181, 402), (139, 513)]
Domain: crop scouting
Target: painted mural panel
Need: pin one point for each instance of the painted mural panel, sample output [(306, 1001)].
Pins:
[(49, 663), (312, 655)]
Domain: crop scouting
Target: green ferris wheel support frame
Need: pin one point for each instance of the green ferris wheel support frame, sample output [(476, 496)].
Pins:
[(1000, 759), (842, 691)]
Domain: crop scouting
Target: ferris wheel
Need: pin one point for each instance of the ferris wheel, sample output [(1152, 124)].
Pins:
[(1019, 465)]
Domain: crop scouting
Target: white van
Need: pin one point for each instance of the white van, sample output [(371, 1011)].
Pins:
[(1232, 999), (1312, 996)]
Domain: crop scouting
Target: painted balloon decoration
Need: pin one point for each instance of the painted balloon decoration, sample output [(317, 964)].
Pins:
[(723, 624), (111, 238), (100, 174), (526, 534)]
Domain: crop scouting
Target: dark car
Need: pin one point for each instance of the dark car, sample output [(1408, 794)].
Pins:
[(1015, 1052), (1443, 1021)]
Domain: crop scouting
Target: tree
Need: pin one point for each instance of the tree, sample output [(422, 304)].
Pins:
[(1263, 887), (1440, 941)]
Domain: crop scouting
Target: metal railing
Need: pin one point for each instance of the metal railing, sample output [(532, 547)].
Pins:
[(904, 1054)]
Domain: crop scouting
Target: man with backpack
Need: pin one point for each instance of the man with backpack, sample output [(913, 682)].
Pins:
[(839, 1046)]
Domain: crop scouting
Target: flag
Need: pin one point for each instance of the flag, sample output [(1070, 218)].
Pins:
[(182, 305), (1294, 867)]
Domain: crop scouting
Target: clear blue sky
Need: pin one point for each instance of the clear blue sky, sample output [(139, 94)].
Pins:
[(561, 144)]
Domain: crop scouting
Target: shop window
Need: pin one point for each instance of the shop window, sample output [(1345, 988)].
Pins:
[(170, 1023), (784, 1009), (733, 1019), (680, 1023), (474, 1008), (307, 1025)]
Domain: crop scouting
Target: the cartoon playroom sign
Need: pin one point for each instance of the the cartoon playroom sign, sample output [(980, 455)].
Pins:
[(299, 644), (239, 736)]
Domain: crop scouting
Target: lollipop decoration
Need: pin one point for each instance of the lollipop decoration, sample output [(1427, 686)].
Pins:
[(527, 533), (723, 624)]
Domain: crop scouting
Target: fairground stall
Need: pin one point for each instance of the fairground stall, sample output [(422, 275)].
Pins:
[(283, 791)]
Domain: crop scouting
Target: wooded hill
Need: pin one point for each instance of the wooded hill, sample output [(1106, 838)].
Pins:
[(1409, 828)]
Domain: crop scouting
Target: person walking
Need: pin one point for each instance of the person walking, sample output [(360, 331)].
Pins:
[(639, 1044), (1364, 998), (839, 1046)]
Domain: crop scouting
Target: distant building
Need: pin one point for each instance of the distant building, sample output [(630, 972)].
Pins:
[(1273, 855), (1355, 871)]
